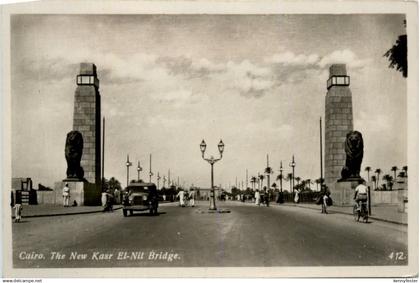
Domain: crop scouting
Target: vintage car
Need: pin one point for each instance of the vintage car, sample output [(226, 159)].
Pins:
[(139, 196)]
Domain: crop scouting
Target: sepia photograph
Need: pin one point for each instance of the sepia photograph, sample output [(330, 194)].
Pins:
[(272, 140)]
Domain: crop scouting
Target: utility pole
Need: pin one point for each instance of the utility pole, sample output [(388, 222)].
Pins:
[(103, 154), (150, 168), (281, 176), (293, 165), (268, 174)]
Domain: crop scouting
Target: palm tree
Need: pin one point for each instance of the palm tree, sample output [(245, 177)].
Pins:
[(374, 182), (114, 184), (397, 55), (388, 178), (289, 178), (394, 169), (405, 168), (367, 169), (378, 172), (253, 181), (261, 180)]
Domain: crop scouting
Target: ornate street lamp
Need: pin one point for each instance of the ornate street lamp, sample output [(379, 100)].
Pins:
[(293, 165), (281, 176), (212, 160), (150, 168), (164, 181), (128, 164), (158, 178)]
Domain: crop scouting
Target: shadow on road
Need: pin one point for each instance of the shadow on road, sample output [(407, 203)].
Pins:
[(139, 214)]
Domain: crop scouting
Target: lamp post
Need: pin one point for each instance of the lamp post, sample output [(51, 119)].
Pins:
[(268, 172), (293, 165), (212, 160), (139, 169), (150, 168), (158, 178), (164, 181), (281, 177), (128, 164)]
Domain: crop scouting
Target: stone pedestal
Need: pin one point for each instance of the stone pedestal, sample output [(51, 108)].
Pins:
[(83, 193), (342, 193)]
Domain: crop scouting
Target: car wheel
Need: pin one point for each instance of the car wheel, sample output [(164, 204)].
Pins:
[(125, 213)]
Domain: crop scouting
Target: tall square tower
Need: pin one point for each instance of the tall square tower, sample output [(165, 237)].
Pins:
[(338, 122), (87, 120)]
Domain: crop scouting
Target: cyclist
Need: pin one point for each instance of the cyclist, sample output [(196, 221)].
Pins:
[(360, 194)]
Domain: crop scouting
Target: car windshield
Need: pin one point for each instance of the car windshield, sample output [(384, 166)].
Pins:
[(138, 189)]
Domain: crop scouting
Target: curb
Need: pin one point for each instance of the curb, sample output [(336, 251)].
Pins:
[(62, 214), (72, 213), (347, 213)]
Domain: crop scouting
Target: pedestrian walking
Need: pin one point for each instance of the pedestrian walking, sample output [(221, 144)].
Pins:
[(66, 195), (109, 202), (103, 198), (192, 197), (267, 197), (257, 197), (324, 202), (296, 199), (181, 196), (18, 211), (117, 196)]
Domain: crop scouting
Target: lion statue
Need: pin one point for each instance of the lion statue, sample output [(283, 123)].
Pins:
[(354, 155), (73, 153)]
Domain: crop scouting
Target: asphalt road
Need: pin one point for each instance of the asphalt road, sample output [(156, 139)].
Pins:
[(247, 236)]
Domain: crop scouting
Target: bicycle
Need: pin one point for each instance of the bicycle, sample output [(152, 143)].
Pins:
[(362, 213)]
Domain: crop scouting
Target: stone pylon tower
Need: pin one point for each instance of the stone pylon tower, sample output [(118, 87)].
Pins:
[(338, 122), (87, 120)]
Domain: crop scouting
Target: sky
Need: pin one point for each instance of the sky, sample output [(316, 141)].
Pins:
[(258, 82)]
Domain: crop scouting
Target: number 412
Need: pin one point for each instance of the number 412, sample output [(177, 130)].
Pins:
[(397, 256)]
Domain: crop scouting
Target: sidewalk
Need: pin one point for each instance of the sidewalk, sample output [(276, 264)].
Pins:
[(42, 210), (385, 212)]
